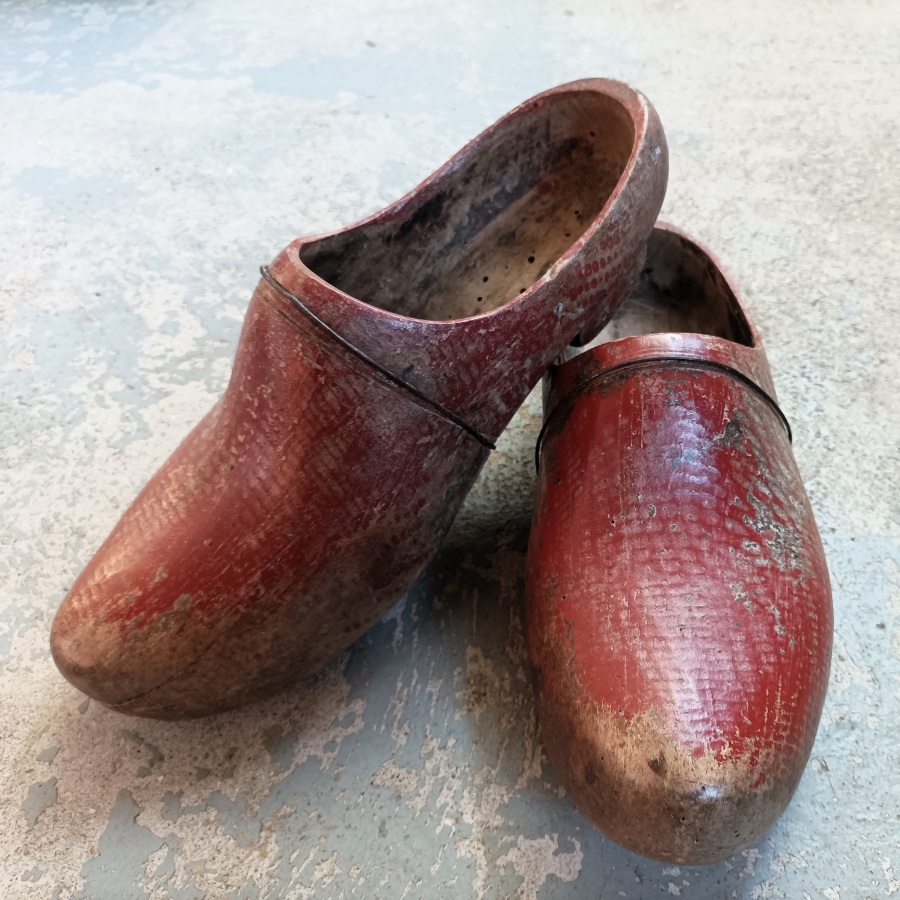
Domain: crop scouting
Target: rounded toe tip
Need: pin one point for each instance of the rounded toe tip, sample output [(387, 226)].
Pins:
[(87, 656), (703, 822), (100, 657), (141, 671), (667, 802)]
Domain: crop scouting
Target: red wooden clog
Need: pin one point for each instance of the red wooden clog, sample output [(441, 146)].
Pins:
[(679, 611), (374, 371)]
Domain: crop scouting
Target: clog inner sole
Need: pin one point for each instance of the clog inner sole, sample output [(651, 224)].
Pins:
[(494, 221)]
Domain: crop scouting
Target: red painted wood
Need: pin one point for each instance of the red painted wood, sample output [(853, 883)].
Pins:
[(313, 494), (679, 611)]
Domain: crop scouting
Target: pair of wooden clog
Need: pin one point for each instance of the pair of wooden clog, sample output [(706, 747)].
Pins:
[(679, 613)]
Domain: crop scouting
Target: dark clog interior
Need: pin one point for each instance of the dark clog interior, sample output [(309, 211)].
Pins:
[(680, 290), (495, 221)]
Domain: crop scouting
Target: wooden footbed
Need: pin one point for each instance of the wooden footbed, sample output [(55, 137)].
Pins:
[(512, 204)]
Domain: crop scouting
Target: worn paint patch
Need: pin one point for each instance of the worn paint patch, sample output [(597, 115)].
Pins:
[(40, 797)]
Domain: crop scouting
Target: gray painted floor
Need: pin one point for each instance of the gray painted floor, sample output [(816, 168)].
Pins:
[(152, 155)]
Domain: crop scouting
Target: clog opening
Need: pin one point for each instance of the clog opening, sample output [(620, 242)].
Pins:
[(680, 290), (495, 222)]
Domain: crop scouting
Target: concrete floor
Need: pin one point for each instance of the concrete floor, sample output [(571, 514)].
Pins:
[(152, 155)]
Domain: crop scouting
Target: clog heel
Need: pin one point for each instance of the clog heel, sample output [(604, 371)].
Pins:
[(679, 611), (376, 367)]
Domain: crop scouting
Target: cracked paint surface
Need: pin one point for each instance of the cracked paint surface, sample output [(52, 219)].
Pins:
[(153, 155)]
